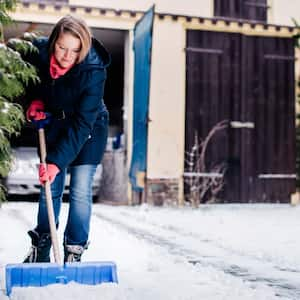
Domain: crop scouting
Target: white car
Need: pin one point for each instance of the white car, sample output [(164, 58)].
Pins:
[(23, 177)]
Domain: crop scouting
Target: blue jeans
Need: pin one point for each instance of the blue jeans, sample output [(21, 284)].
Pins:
[(80, 204)]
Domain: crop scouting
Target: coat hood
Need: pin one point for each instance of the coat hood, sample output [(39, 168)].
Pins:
[(97, 57)]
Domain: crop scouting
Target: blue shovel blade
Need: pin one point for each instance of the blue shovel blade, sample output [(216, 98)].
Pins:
[(41, 274)]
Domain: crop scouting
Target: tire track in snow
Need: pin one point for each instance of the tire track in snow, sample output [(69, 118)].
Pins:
[(214, 243), (280, 283)]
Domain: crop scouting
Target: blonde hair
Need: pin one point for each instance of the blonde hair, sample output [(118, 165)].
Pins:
[(78, 28)]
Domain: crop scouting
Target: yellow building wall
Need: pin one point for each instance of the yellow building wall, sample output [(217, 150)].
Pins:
[(188, 7), (282, 11), (50, 15), (167, 90), (167, 100)]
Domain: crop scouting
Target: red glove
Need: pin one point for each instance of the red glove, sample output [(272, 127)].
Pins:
[(35, 111), (47, 172)]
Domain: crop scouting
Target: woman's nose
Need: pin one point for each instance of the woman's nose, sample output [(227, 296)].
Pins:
[(67, 54)]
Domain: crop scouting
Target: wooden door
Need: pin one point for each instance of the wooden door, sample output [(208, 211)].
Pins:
[(213, 95), (269, 98), (247, 82)]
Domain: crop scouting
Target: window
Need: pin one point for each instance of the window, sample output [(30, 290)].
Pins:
[(254, 10)]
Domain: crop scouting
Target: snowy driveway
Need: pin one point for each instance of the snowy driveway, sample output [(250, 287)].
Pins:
[(214, 252)]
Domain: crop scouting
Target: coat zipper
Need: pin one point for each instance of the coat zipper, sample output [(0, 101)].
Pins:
[(52, 88)]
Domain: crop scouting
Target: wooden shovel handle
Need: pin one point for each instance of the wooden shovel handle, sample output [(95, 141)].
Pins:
[(49, 201)]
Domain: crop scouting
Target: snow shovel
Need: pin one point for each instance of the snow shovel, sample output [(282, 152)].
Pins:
[(41, 274)]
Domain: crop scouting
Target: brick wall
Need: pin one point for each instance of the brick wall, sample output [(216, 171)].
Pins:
[(162, 191)]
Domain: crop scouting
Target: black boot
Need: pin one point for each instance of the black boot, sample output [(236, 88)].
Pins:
[(40, 247), (73, 253)]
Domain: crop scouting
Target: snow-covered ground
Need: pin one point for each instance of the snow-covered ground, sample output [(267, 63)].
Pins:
[(236, 252)]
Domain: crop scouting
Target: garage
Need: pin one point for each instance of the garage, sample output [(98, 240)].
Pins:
[(22, 179)]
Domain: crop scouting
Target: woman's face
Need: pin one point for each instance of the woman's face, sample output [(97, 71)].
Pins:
[(67, 49)]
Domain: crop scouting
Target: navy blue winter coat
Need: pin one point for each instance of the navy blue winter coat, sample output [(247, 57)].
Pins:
[(78, 130)]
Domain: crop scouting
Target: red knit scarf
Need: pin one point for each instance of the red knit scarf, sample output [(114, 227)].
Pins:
[(56, 70)]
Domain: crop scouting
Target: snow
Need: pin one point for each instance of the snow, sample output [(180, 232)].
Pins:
[(214, 252)]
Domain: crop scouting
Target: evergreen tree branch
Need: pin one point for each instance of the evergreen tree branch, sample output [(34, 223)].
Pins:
[(15, 75)]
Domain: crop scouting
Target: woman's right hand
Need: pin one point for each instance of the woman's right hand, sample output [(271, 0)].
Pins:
[(36, 111)]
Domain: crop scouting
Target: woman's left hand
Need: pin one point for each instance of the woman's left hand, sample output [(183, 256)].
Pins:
[(47, 172)]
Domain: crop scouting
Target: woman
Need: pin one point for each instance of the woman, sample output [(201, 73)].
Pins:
[(72, 68)]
